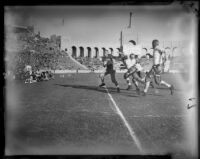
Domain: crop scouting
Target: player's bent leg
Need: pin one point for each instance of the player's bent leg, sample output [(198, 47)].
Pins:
[(136, 77), (102, 79), (129, 83), (113, 79), (157, 79), (146, 88), (136, 85), (126, 77), (148, 80), (161, 82), (171, 87)]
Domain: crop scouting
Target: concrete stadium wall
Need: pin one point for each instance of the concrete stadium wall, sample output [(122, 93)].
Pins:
[(88, 51), (98, 51)]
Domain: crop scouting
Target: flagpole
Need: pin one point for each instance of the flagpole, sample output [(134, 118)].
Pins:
[(121, 45), (121, 34)]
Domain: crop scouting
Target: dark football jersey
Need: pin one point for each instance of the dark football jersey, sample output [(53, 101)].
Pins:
[(109, 64)]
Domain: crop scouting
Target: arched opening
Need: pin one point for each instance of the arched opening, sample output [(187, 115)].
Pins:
[(118, 50), (89, 52), (104, 51), (74, 52), (96, 52), (81, 51), (133, 42), (111, 50)]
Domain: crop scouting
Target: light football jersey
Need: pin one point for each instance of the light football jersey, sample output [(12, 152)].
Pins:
[(130, 63), (157, 56)]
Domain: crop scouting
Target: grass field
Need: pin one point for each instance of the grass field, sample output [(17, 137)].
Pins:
[(72, 115)]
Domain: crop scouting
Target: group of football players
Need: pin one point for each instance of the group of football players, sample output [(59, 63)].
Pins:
[(136, 71)]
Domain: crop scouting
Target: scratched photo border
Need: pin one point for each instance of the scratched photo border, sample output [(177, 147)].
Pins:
[(191, 100)]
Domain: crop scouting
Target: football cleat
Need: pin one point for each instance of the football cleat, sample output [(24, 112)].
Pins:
[(151, 84), (102, 85), (129, 87), (138, 91), (144, 93)]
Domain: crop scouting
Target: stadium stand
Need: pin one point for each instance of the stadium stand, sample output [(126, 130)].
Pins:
[(26, 48), (91, 63)]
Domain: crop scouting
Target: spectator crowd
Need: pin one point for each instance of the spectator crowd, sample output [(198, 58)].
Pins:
[(38, 52)]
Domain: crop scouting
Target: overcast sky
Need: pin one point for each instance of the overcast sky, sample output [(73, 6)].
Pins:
[(96, 24)]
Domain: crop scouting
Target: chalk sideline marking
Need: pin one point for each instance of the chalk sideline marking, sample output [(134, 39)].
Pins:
[(132, 133)]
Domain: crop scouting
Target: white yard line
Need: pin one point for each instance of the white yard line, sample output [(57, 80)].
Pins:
[(132, 133)]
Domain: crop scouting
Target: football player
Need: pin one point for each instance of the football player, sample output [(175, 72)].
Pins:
[(109, 64), (134, 70), (155, 72)]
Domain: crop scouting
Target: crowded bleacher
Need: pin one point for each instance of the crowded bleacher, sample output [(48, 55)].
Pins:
[(27, 48), (90, 63)]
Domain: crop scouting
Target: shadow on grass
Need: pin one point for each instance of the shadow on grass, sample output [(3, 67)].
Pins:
[(165, 88), (111, 90)]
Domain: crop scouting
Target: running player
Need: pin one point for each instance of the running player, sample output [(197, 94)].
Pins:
[(134, 70), (128, 63), (131, 62), (108, 63), (156, 70)]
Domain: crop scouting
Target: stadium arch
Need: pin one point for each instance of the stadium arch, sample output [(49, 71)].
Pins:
[(89, 53), (104, 51), (118, 49), (81, 48), (111, 50), (74, 52), (133, 42), (96, 52)]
